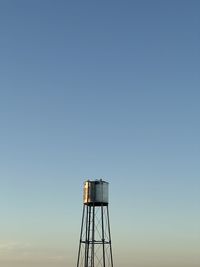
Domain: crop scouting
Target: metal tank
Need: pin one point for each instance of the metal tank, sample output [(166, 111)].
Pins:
[(95, 193)]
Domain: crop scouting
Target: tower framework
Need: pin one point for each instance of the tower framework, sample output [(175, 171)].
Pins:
[(95, 248)]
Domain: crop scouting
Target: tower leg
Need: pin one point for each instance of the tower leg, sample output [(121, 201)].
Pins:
[(103, 237), (93, 235), (88, 236), (80, 242), (111, 257)]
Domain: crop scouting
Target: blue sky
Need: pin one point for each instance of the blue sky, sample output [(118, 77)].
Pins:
[(98, 89)]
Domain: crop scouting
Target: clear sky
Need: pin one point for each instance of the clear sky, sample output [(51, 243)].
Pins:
[(100, 89)]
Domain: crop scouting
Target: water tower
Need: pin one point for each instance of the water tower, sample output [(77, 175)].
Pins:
[(95, 248)]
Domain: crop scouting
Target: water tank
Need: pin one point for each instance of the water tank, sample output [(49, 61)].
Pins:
[(95, 193)]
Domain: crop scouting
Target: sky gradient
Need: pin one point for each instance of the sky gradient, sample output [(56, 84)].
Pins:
[(100, 89)]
